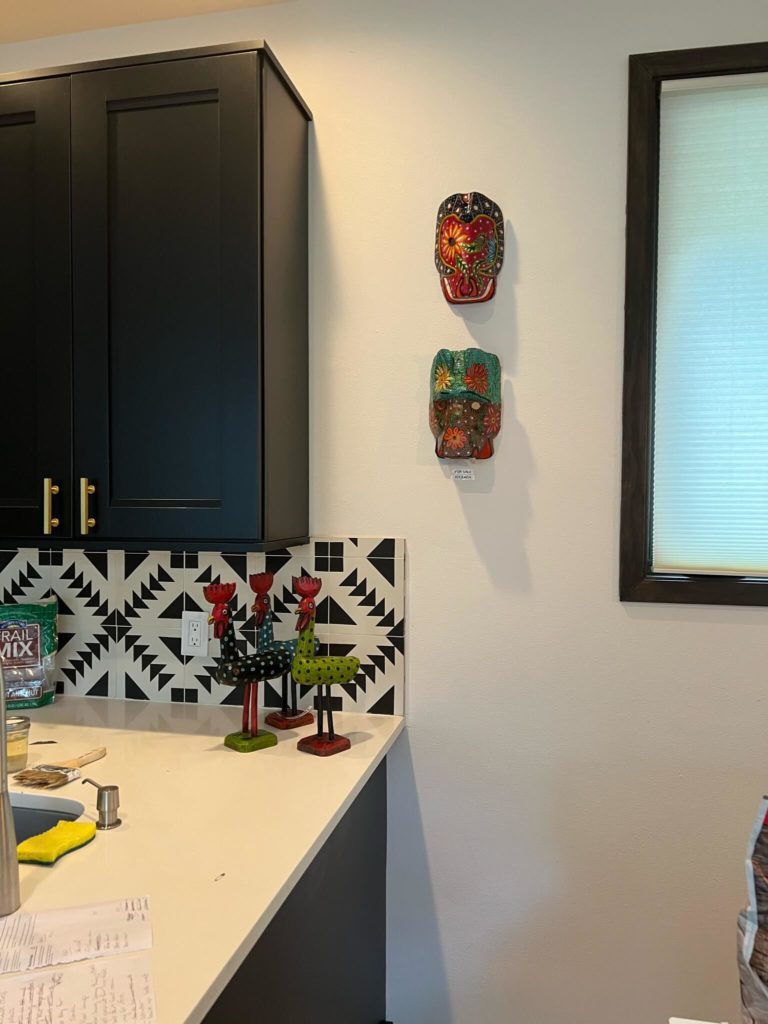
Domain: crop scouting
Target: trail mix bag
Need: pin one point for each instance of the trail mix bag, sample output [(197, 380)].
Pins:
[(28, 644)]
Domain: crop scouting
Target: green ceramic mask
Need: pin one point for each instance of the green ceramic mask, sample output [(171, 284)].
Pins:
[(465, 403)]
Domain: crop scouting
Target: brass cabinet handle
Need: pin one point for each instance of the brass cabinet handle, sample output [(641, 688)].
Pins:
[(50, 522), (87, 522)]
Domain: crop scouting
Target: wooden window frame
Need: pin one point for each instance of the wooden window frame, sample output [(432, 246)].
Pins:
[(637, 582)]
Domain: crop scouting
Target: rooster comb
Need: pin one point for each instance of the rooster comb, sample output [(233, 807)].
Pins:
[(261, 582), (219, 593), (307, 586)]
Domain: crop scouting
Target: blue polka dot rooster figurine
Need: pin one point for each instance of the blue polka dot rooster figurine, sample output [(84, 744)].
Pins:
[(246, 670)]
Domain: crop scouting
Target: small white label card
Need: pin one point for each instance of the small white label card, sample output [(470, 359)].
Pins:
[(463, 473)]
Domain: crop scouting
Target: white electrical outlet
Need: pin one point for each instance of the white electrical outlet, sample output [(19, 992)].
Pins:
[(194, 634)]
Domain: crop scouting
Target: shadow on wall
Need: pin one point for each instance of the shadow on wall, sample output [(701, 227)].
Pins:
[(493, 324), (324, 295), (412, 932), (499, 527)]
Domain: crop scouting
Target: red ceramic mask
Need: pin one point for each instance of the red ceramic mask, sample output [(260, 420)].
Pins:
[(469, 246)]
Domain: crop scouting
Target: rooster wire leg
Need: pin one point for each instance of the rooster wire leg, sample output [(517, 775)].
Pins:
[(254, 729), (246, 707), (319, 711), (294, 700), (331, 733), (284, 708)]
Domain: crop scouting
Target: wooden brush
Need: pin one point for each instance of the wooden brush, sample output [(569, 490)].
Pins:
[(51, 776)]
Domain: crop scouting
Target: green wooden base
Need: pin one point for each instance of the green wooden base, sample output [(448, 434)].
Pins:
[(244, 743)]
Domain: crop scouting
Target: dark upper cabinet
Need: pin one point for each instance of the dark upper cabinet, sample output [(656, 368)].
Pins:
[(166, 258), (188, 206), (35, 305)]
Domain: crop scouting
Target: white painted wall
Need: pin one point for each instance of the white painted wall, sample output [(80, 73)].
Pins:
[(570, 809)]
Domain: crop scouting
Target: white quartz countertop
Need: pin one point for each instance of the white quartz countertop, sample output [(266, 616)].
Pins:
[(217, 839)]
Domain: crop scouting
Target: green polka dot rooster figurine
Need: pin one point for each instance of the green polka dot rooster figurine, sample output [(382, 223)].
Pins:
[(322, 672)]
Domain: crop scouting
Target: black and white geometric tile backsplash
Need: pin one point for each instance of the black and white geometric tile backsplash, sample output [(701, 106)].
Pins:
[(120, 616)]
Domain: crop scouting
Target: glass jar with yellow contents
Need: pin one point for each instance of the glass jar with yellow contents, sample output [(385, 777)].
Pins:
[(17, 736)]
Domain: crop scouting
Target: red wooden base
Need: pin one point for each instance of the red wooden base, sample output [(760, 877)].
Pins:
[(322, 746), (280, 721)]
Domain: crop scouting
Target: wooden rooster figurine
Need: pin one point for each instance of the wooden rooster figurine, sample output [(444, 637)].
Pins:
[(310, 670), (286, 718), (234, 669)]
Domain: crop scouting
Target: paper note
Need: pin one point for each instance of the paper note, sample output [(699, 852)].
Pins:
[(115, 991), (51, 937)]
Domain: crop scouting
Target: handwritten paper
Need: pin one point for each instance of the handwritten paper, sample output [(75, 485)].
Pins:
[(51, 937), (115, 991)]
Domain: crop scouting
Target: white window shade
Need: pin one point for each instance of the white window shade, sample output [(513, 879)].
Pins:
[(710, 443)]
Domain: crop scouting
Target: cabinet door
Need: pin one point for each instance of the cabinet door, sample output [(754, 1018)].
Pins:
[(165, 228), (36, 360)]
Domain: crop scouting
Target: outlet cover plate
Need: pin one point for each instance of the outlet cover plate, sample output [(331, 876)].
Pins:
[(194, 634)]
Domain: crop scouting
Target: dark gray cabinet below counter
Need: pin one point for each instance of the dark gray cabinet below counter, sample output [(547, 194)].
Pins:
[(322, 958)]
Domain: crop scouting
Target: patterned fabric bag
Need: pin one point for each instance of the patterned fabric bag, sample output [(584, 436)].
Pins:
[(753, 926)]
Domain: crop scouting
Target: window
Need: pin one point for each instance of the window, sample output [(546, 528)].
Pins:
[(694, 523)]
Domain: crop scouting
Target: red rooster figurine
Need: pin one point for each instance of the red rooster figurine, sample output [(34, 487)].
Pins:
[(289, 716)]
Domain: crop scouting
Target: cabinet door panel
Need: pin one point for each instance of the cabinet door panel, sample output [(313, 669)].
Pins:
[(166, 286), (35, 404)]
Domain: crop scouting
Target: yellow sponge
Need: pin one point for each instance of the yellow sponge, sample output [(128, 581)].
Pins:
[(61, 839)]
